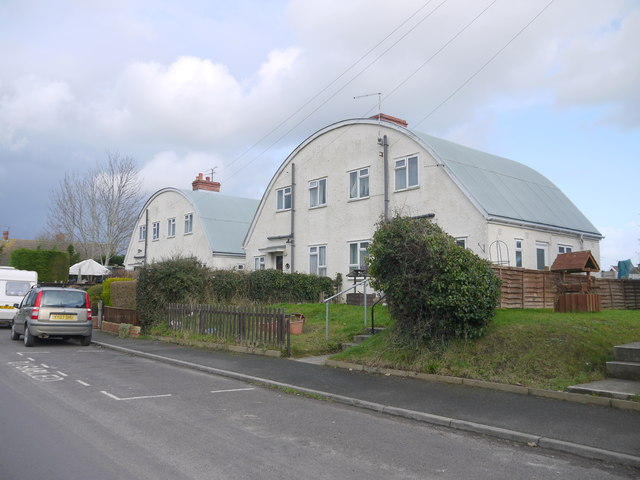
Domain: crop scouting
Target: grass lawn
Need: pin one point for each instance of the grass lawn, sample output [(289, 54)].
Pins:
[(535, 348), (345, 321)]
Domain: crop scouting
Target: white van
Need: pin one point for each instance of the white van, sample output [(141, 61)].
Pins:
[(14, 285)]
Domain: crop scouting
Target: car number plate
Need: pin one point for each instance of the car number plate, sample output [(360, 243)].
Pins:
[(56, 316)]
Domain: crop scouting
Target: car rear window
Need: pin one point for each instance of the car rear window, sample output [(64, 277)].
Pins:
[(17, 289), (61, 298)]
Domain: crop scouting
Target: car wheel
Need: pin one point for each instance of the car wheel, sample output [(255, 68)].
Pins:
[(29, 340), (14, 335), (85, 341)]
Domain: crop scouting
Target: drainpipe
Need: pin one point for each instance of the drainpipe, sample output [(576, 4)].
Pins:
[(385, 158), (293, 214), (146, 235)]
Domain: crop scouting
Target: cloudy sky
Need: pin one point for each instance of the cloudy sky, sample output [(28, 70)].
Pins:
[(184, 87)]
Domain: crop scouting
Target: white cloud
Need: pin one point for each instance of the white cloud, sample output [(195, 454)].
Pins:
[(169, 169)]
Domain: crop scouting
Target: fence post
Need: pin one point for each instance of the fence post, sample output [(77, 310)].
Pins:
[(100, 314)]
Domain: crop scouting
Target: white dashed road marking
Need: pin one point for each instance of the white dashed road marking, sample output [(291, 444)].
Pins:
[(232, 390), (134, 398), (83, 383)]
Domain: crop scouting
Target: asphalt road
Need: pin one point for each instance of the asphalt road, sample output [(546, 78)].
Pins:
[(71, 412)]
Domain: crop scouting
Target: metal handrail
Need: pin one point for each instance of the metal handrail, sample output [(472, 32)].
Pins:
[(326, 305)]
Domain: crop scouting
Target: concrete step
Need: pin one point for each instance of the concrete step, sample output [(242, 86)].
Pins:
[(629, 352), (347, 345), (624, 370), (611, 388)]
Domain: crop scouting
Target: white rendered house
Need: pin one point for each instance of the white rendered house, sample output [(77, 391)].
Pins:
[(319, 211), (200, 223)]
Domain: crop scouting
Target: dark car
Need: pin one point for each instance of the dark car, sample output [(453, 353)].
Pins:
[(53, 312)]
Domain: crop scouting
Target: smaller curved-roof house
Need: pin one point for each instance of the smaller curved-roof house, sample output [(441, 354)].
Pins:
[(200, 223), (318, 213)]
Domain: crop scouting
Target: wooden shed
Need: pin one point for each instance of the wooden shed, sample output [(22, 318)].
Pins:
[(575, 292)]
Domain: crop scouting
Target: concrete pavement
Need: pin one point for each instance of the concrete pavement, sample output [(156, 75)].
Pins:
[(591, 431)]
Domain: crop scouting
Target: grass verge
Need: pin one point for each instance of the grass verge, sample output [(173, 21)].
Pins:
[(534, 348)]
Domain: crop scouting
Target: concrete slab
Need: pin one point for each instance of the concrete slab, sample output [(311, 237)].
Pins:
[(613, 388)]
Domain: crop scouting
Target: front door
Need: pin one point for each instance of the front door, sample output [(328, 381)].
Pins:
[(279, 262)]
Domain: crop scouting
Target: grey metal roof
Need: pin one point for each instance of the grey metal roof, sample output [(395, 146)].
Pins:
[(225, 219), (508, 190)]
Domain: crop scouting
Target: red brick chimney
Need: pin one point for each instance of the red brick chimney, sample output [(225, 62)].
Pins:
[(205, 183), (388, 118)]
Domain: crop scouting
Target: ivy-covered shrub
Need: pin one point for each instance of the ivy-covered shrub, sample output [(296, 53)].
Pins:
[(176, 280), (106, 289), (123, 294), (435, 289), (51, 265)]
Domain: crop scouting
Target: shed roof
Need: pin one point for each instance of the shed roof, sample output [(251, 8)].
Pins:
[(574, 262), (507, 190), (225, 219)]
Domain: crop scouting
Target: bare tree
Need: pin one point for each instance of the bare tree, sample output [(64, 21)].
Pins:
[(97, 211)]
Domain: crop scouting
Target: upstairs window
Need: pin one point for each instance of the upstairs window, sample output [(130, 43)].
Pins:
[(318, 192), (188, 223), (406, 173), (171, 227), (284, 198), (155, 231), (359, 183), (142, 233)]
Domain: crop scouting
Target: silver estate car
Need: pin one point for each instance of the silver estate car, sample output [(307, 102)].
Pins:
[(53, 312)]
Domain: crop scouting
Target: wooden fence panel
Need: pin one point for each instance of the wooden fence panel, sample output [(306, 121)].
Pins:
[(249, 326), (538, 289), (120, 315)]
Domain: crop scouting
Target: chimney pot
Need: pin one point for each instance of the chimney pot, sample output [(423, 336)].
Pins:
[(201, 183)]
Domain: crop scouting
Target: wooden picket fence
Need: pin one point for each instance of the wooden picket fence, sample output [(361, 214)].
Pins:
[(523, 288), (253, 326)]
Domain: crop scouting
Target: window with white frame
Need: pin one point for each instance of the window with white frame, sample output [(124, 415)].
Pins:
[(318, 260), (155, 231), (358, 253), (171, 227), (284, 198), (518, 250), (142, 233), (359, 183), (461, 242), (406, 173), (188, 223), (565, 249), (318, 192), (259, 263)]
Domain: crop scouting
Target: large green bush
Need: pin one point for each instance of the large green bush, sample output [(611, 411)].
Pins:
[(435, 289), (176, 280), (51, 265)]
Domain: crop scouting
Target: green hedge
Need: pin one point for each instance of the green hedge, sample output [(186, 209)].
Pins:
[(123, 294), (185, 280), (106, 289), (51, 265)]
